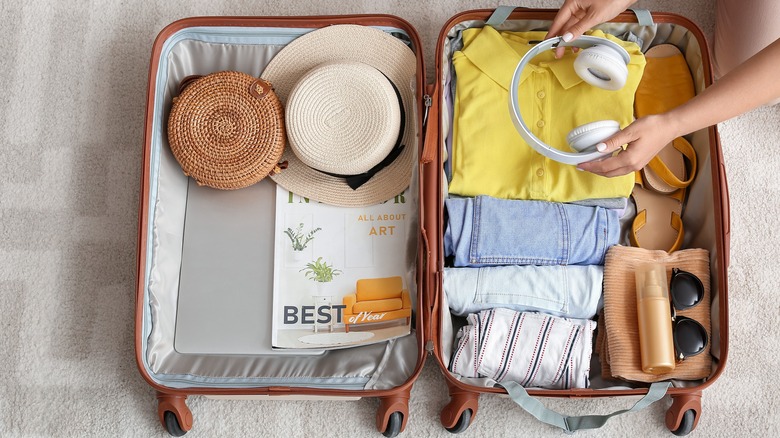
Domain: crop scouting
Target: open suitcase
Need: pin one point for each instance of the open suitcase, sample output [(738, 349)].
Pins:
[(706, 214), (386, 371), (198, 46)]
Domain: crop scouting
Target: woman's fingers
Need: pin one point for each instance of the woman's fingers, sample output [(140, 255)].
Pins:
[(560, 20), (560, 50), (616, 141), (623, 162)]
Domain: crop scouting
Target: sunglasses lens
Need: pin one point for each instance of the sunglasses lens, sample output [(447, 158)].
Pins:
[(686, 290), (690, 338)]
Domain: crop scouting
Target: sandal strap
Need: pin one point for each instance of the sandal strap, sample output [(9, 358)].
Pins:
[(641, 219), (678, 194), (666, 175)]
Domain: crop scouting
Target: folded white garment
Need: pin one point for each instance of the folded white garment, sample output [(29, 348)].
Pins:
[(532, 349), (572, 291)]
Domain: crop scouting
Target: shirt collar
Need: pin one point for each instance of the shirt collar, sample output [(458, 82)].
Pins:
[(492, 55), (563, 69)]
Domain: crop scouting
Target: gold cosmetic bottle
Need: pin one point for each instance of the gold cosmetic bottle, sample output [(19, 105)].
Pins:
[(655, 319)]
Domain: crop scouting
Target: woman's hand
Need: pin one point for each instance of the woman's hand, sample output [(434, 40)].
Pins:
[(577, 16), (645, 137)]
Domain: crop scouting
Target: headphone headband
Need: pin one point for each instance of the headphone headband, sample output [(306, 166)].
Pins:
[(583, 42)]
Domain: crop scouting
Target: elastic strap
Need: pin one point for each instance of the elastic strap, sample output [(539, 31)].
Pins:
[(500, 15), (572, 424), (643, 16)]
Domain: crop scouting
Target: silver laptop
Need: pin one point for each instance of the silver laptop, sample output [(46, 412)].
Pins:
[(226, 279)]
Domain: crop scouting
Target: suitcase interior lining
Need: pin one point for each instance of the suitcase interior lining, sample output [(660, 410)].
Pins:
[(199, 51), (698, 213)]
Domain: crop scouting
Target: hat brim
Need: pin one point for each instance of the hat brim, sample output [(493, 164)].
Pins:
[(348, 43)]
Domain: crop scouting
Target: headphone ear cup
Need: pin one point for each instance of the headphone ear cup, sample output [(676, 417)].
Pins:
[(585, 138), (601, 67)]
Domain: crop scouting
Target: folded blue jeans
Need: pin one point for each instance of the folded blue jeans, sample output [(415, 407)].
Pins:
[(486, 231), (566, 291)]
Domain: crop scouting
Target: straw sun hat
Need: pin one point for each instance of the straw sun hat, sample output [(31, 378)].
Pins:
[(349, 100)]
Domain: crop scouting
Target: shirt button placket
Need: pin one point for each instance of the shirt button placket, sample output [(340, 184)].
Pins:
[(538, 168), (541, 124)]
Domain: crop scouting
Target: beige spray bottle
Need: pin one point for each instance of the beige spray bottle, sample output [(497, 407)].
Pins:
[(655, 319)]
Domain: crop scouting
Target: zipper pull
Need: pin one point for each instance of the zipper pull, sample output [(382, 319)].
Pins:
[(427, 101), (429, 347), (430, 140)]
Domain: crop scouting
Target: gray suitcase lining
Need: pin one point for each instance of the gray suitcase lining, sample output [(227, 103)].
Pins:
[(200, 51)]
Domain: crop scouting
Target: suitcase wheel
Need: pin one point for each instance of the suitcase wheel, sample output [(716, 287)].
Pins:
[(174, 414), (458, 414), (392, 413), (686, 424), (172, 424), (394, 425), (463, 422), (684, 413)]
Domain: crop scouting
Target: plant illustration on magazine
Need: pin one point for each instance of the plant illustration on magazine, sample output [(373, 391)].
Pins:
[(297, 237), (319, 271)]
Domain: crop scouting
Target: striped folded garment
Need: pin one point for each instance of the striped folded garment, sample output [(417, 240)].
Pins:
[(532, 349)]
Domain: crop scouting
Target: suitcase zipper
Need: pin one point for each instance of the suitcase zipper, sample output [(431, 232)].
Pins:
[(427, 101), (428, 153), (237, 385)]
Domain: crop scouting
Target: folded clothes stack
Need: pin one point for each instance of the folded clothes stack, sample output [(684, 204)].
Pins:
[(512, 256)]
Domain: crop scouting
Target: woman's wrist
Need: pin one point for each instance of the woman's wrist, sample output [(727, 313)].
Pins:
[(673, 123)]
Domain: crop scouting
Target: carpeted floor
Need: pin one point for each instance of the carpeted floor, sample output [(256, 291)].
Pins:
[(73, 83)]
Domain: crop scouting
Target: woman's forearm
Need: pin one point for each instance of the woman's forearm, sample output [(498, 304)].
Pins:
[(752, 84)]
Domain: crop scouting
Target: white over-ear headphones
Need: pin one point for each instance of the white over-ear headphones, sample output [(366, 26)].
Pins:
[(602, 64)]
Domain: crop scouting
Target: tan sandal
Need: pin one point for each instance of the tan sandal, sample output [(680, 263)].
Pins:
[(666, 83), (660, 189), (666, 172), (658, 222)]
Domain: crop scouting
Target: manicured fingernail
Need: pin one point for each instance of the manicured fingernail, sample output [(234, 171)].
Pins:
[(581, 170), (601, 147), (567, 37)]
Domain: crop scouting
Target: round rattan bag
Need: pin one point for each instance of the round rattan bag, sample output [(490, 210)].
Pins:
[(226, 130)]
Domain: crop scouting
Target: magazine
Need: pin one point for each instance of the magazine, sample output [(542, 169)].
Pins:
[(342, 276)]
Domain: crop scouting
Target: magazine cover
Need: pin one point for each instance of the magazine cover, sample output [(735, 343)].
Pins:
[(341, 275)]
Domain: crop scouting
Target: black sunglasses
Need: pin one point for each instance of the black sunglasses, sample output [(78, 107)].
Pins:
[(686, 291)]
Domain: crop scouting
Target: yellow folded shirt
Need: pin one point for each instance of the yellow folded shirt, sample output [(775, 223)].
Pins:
[(488, 155)]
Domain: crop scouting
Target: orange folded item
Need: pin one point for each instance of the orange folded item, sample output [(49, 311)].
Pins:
[(618, 341)]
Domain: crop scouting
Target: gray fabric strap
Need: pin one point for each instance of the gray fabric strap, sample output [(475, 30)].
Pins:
[(643, 16), (500, 15), (572, 424)]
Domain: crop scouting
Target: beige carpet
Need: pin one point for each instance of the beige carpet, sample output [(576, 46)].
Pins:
[(72, 95)]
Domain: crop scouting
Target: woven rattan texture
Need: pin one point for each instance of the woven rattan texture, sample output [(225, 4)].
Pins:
[(226, 130)]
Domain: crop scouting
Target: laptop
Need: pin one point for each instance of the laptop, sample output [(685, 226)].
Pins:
[(226, 280)]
